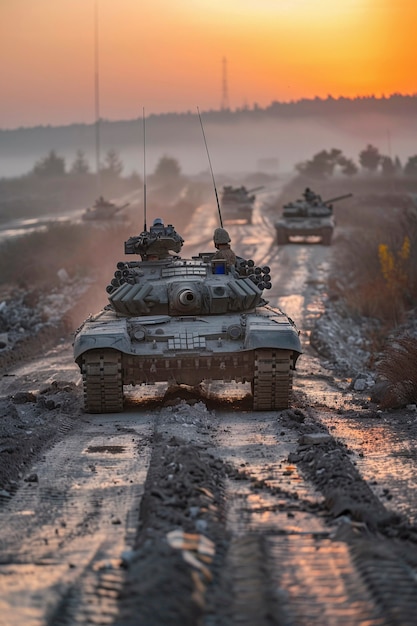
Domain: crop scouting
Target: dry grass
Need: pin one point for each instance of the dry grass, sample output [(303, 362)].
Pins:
[(33, 260), (398, 368), (375, 267)]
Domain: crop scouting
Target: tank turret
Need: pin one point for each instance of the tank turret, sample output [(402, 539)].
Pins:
[(155, 243)]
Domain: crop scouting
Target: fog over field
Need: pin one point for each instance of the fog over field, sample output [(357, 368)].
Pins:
[(235, 145)]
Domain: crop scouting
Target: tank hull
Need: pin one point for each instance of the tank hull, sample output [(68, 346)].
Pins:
[(232, 211), (259, 347), (321, 227)]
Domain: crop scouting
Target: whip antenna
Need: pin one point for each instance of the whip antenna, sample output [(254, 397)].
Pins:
[(211, 169), (144, 170)]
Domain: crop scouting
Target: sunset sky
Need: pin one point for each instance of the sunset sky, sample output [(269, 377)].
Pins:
[(167, 55)]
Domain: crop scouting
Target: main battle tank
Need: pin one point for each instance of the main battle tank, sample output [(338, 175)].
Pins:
[(310, 216), (103, 210), (237, 203), (185, 321)]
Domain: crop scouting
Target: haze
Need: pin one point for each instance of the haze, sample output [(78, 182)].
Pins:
[(168, 56)]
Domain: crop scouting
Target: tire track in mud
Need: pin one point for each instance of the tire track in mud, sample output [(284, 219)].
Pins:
[(306, 531), (389, 467), (281, 546), (67, 526)]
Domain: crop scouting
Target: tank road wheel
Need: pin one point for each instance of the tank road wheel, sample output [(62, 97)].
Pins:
[(102, 381), (282, 237), (272, 381)]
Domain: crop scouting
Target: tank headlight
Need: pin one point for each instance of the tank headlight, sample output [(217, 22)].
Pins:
[(234, 332), (139, 334)]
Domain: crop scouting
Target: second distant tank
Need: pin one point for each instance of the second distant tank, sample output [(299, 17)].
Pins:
[(309, 216), (104, 210), (237, 203)]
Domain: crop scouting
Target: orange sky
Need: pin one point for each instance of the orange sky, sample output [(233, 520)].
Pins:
[(166, 55)]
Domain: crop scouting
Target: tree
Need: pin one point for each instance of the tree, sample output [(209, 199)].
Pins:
[(113, 166), (80, 165), (167, 169), (370, 158), (410, 168), (322, 164), (51, 165), (398, 165), (387, 166), (347, 166)]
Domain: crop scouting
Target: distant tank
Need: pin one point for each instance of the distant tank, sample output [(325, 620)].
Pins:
[(185, 321), (307, 217), (237, 203), (103, 210)]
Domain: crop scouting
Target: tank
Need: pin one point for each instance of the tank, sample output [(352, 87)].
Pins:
[(306, 217), (104, 210), (237, 203), (185, 321)]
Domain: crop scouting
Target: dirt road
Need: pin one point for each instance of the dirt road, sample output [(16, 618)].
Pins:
[(191, 509)]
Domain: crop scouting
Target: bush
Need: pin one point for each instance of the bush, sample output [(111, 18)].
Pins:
[(398, 369)]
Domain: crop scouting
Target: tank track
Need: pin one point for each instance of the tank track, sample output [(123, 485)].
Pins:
[(102, 381), (272, 381), (282, 236)]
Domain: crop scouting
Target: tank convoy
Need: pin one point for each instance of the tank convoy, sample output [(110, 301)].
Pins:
[(309, 216), (103, 210), (185, 321), (237, 203)]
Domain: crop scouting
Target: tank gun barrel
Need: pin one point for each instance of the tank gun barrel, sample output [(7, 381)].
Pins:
[(346, 195), (256, 189), (120, 208)]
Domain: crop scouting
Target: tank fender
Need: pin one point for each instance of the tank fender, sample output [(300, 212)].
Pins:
[(264, 333), (101, 336)]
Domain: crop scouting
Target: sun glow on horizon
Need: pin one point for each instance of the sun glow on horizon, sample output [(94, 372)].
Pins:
[(162, 54)]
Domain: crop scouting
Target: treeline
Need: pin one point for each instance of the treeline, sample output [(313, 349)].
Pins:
[(55, 185), (182, 125), (326, 163)]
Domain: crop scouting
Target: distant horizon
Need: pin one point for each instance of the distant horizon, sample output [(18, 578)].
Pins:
[(286, 133), (253, 107)]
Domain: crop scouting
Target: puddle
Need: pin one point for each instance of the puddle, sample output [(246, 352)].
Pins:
[(109, 449)]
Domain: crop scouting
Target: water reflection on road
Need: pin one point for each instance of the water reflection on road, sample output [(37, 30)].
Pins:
[(25, 226)]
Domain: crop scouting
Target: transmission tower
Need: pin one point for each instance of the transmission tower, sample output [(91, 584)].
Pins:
[(225, 92)]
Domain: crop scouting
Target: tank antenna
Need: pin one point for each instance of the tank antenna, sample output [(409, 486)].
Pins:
[(144, 171), (211, 169)]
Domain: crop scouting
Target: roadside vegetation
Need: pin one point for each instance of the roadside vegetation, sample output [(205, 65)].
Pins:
[(82, 250), (398, 367)]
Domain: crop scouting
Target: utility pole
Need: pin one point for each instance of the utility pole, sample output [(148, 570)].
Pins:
[(97, 97), (225, 91)]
